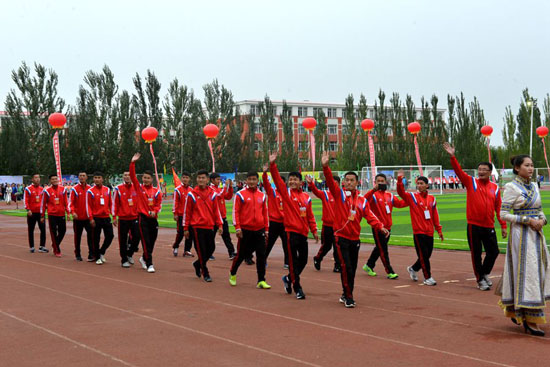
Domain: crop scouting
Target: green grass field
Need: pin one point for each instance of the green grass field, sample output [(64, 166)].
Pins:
[(452, 213)]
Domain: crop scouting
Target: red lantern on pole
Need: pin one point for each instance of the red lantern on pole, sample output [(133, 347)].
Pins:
[(309, 124), (414, 128), (542, 131), (211, 131), (57, 120), (487, 131), (367, 125), (149, 134)]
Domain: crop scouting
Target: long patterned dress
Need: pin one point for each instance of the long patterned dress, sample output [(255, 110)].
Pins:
[(526, 277)]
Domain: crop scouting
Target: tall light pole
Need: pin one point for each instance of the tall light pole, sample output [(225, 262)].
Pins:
[(531, 104), (181, 156)]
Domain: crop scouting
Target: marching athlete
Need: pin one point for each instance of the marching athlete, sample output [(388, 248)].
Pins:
[(32, 198), (98, 203), (81, 221), (125, 218), (54, 202), (180, 196)]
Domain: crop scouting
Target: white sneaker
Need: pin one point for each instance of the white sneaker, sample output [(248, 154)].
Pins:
[(99, 262), (150, 269), (486, 277), (482, 285), (412, 273), (131, 260), (126, 264), (143, 263), (102, 258), (430, 281)]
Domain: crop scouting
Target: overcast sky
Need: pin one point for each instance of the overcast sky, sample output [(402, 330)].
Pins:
[(296, 50)]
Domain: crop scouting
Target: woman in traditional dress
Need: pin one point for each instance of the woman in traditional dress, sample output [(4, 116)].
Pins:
[(526, 277)]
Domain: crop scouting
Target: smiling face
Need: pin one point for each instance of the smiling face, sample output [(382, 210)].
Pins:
[(294, 182), (483, 172), (147, 179), (126, 177)]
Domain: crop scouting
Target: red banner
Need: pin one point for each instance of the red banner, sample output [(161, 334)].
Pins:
[(57, 156), (312, 146), (372, 157), (489, 149), (418, 161), (212, 154), (155, 164)]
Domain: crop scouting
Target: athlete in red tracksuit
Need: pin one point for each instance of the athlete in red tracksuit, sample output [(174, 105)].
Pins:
[(99, 204), (201, 214), (327, 231), (180, 196), (224, 193), (349, 208), (276, 217), (125, 215), (424, 217), (482, 202), (32, 198), (81, 221), (299, 220), (382, 203), (251, 224), (54, 202), (149, 202)]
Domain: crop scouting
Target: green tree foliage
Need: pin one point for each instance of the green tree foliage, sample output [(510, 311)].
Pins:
[(289, 158)]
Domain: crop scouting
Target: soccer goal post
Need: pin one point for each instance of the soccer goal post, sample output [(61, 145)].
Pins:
[(433, 173)]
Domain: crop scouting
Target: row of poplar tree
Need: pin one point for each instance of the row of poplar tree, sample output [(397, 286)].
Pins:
[(104, 123)]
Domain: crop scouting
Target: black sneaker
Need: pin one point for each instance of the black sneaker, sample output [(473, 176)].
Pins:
[(197, 267), (342, 299), (336, 269), (231, 256), (43, 249), (31, 250), (249, 261), (212, 258), (91, 258), (317, 263), (350, 303), (287, 285), (300, 294), (207, 278), (78, 258)]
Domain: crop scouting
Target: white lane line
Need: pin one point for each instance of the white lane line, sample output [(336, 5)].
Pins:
[(402, 286), (66, 338)]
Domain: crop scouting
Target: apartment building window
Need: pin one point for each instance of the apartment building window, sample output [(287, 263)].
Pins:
[(332, 129), (302, 111), (303, 146), (345, 129), (301, 129), (344, 114), (332, 146), (331, 112), (316, 110), (254, 110), (257, 128), (257, 146)]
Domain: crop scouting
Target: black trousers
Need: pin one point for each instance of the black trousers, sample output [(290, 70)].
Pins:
[(128, 238), (58, 227), (179, 236), (297, 259), (31, 223), (252, 241), (79, 226), (380, 251), (478, 239), (424, 246), (148, 231), (348, 253), (226, 237), (327, 243), (204, 247), (105, 225), (276, 230)]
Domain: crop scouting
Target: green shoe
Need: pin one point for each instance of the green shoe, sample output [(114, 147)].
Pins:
[(393, 276), (369, 271), (263, 285), (233, 280)]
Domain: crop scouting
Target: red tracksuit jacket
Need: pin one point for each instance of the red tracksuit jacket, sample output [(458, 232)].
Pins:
[(482, 199), (274, 201), (33, 198), (54, 201), (421, 206), (180, 195), (77, 201), (382, 204), (125, 202), (202, 209), (328, 203), (296, 204), (98, 202), (224, 193), (250, 210), (149, 198), (349, 210)]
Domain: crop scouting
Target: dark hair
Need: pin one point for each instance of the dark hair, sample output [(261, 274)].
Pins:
[(214, 175), (149, 172), (518, 161), (97, 173), (52, 175), (202, 172), (83, 172), (252, 173), (381, 175), (34, 174), (352, 173), (336, 178), (422, 178), (185, 173), (298, 175), (488, 164)]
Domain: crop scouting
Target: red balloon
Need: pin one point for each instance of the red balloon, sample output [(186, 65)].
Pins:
[(149, 134), (487, 130), (542, 131), (414, 127), (309, 123), (211, 131), (57, 120), (367, 124)]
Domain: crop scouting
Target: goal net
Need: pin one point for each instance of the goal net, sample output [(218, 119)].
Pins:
[(437, 180)]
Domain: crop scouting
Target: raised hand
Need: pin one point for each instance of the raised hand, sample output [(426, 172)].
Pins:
[(309, 179), (325, 158), (228, 182), (401, 173), (273, 157), (449, 149), (136, 157), (265, 167)]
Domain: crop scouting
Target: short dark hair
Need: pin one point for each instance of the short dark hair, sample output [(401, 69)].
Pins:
[(83, 172), (52, 175), (214, 175), (252, 173), (298, 175), (488, 164), (422, 178), (352, 173), (518, 161), (202, 172), (381, 175), (148, 172), (35, 174), (185, 173), (336, 178), (98, 173)]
